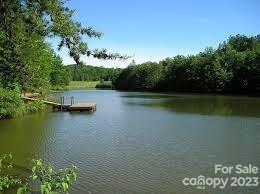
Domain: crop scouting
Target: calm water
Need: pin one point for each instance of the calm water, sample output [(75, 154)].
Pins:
[(140, 142)]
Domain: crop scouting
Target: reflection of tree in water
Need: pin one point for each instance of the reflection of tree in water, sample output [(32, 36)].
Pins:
[(23, 136), (205, 105), (149, 96)]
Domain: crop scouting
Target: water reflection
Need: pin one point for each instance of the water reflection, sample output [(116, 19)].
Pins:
[(148, 95), (199, 104), (24, 137)]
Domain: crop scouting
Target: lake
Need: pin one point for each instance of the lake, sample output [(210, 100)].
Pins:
[(139, 142)]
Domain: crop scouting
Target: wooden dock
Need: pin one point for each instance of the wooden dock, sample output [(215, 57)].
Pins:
[(67, 107), (83, 106)]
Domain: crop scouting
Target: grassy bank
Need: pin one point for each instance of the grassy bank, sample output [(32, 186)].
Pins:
[(82, 84), (85, 84)]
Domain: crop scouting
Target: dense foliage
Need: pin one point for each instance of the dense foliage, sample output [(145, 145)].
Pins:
[(60, 76), (233, 67), (52, 181), (34, 106), (82, 72), (145, 76), (11, 104), (47, 180), (26, 57), (7, 181)]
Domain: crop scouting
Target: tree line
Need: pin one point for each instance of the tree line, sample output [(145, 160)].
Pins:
[(234, 67), (81, 72)]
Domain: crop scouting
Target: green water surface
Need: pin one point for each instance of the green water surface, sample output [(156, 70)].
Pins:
[(140, 142)]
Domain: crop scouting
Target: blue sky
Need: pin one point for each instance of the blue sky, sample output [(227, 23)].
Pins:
[(152, 30)]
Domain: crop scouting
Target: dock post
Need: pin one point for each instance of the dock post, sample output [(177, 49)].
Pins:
[(61, 103), (71, 100)]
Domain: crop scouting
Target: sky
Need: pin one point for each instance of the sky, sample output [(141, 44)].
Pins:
[(151, 30)]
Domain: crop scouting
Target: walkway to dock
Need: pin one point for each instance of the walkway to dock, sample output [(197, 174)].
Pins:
[(66, 107)]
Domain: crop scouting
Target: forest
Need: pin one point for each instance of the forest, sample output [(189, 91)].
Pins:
[(234, 67), (81, 72)]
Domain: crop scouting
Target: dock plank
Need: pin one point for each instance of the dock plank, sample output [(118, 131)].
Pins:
[(83, 106), (45, 102)]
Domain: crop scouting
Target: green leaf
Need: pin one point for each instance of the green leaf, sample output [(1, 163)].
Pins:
[(43, 187), (74, 175), (53, 192), (49, 186), (47, 191), (21, 190), (65, 186), (38, 162), (50, 169), (33, 169)]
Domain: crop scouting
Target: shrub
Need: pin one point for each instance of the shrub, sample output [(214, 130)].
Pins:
[(7, 181), (35, 106), (44, 176), (52, 181), (11, 104)]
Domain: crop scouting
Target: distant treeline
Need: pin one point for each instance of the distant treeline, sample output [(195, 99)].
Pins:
[(233, 67), (80, 72)]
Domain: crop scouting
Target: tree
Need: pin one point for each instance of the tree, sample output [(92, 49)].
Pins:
[(24, 25), (83, 72), (233, 67), (240, 55), (212, 76), (145, 76), (60, 75)]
